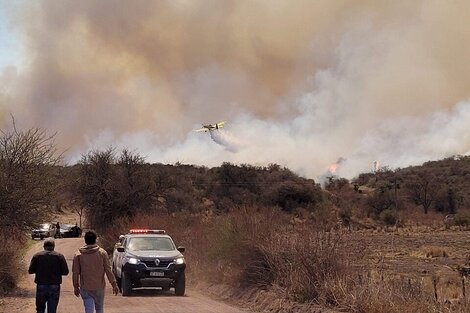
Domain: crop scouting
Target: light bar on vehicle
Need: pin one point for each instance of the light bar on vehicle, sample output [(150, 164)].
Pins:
[(147, 231)]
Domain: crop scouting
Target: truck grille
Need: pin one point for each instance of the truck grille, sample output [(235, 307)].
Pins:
[(151, 263)]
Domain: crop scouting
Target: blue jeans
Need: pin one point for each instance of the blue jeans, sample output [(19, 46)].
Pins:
[(47, 294), (93, 299)]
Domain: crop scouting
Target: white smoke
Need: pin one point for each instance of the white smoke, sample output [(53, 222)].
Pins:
[(332, 171), (376, 166), (366, 80), (225, 139)]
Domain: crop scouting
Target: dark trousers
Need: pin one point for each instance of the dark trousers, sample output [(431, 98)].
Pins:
[(47, 294)]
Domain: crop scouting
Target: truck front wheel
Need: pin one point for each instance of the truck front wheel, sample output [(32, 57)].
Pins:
[(180, 285), (126, 284)]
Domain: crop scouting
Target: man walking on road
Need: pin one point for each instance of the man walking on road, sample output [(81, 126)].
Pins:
[(49, 266), (90, 264), (57, 230)]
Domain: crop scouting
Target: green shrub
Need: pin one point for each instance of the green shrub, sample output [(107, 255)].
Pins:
[(226, 242), (291, 195), (388, 217), (345, 215), (461, 220)]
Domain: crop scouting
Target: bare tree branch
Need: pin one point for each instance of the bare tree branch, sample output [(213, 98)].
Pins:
[(27, 162)]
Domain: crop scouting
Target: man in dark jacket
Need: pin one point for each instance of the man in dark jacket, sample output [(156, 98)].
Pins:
[(57, 230), (49, 267)]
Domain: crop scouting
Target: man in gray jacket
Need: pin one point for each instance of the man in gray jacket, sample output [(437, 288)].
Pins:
[(49, 266), (90, 265)]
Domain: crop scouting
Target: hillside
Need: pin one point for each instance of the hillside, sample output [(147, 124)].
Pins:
[(442, 186), (266, 228), (125, 189)]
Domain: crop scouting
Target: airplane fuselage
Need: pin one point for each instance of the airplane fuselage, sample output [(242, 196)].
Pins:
[(209, 127)]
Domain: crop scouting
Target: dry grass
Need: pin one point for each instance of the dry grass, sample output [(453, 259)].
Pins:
[(261, 252), (396, 296), (414, 217), (10, 254), (434, 252), (430, 252)]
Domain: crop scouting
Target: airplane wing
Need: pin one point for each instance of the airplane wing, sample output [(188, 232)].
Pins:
[(210, 127)]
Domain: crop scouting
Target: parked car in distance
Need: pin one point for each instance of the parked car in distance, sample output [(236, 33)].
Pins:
[(44, 230), (70, 230)]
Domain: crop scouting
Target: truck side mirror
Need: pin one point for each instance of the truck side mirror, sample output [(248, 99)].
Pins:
[(120, 249), (181, 249)]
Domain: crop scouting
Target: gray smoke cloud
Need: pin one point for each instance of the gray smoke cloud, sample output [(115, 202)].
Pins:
[(225, 139), (301, 83)]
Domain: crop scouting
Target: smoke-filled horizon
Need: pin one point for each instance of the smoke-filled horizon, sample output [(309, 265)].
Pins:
[(300, 83)]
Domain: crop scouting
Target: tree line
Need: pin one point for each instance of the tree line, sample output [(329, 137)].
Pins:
[(108, 184)]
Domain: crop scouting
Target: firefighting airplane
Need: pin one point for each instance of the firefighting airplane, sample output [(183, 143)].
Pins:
[(210, 127)]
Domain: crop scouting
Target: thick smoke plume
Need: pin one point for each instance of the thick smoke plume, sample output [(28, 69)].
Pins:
[(301, 82), (225, 139)]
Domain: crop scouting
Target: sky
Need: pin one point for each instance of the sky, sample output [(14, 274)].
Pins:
[(10, 47), (6, 49), (300, 83)]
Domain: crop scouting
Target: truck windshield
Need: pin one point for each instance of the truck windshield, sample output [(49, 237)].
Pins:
[(150, 244)]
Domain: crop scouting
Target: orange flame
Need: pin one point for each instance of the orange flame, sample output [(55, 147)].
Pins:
[(333, 167)]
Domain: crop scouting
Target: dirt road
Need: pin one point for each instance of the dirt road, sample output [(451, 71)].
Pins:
[(142, 302)]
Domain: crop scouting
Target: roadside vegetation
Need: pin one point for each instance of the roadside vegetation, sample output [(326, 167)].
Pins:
[(273, 265), (28, 187), (261, 231)]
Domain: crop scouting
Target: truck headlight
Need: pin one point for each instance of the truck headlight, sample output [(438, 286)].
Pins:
[(133, 261), (179, 261)]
